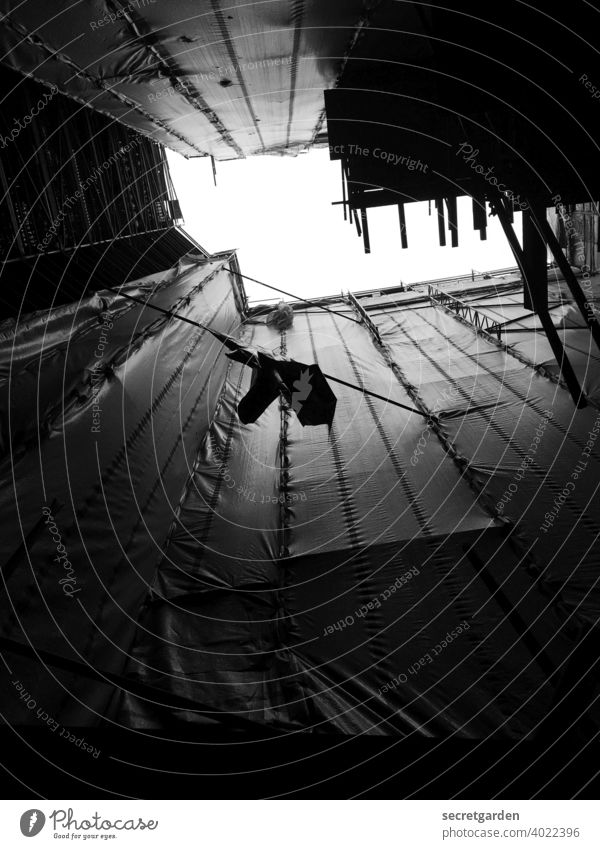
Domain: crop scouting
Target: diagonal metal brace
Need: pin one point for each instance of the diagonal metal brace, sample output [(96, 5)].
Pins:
[(567, 371), (572, 282)]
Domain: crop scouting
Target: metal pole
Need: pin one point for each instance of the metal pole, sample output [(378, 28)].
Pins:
[(553, 338)]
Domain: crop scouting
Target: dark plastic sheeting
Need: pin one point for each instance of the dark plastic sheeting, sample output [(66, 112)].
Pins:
[(112, 493), (298, 577)]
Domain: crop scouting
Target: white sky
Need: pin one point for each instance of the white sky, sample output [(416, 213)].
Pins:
[(276, 211)]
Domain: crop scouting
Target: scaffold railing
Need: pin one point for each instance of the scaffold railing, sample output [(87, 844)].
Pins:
[(479, 320)]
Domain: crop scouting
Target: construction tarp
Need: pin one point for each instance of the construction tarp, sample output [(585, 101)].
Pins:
[(500, 299), (421, 571), (226, 79), (534, 456), (348, 580)]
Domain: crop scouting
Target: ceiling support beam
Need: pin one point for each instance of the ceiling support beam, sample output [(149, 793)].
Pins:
[(535, 256), (403, 234), (451, 206), (365, 230), (441, 219)]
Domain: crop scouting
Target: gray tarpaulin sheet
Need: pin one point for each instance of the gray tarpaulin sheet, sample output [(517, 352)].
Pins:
[(500, 298), (103, 407), (227, 79), (390, 575), (342, 580), (536, 457)]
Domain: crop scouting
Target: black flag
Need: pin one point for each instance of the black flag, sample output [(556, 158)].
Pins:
[(304, 386)]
